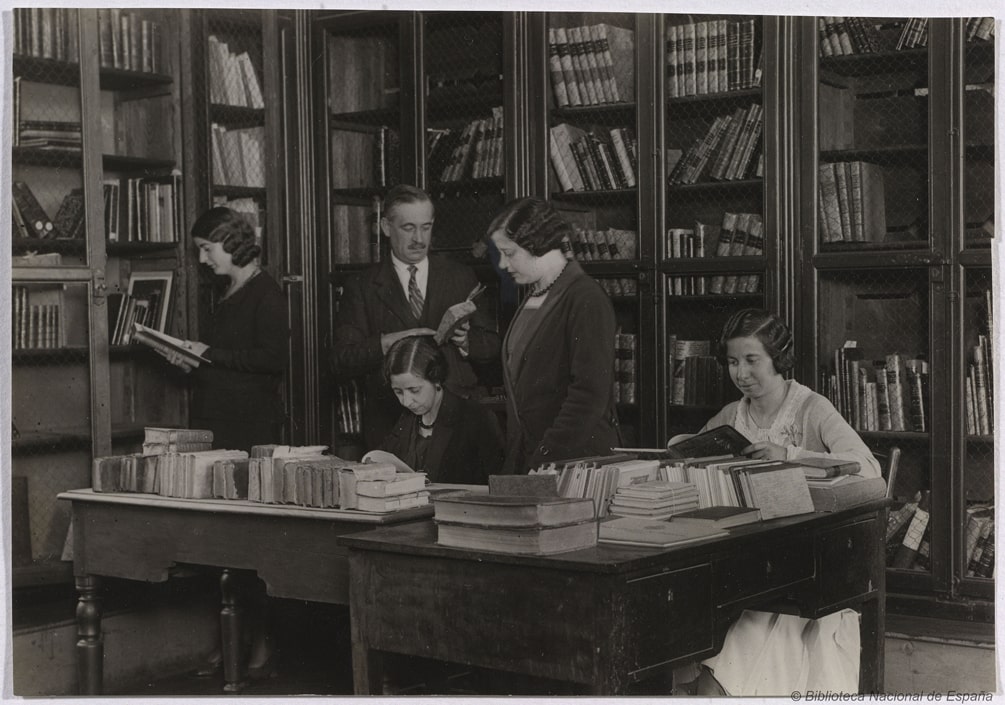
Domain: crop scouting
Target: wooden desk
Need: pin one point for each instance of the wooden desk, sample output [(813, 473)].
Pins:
[(294, 550), (607, 617)]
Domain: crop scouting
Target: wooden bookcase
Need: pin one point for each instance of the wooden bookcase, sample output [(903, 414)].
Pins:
[(112, 115), (914, 284)]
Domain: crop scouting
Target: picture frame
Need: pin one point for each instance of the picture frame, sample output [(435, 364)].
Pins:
[(155, 287)]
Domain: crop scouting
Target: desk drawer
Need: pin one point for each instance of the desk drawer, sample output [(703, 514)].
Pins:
[(669, 616), (758, 569), (848, 560)]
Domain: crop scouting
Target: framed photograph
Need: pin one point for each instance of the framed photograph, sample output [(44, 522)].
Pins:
[(155, 289)]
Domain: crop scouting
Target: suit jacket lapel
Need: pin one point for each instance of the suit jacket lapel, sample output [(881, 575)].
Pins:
[(391, 295)]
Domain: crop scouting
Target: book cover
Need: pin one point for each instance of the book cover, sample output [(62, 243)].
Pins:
[(512, 510), (400, 484), (636, 531), (720, 517), (777, 489), (166, 343), (722, 440), (827, 467), (847, 491), (521, 540)]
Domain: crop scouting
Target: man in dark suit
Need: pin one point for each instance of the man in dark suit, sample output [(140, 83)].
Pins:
[(406, 294)]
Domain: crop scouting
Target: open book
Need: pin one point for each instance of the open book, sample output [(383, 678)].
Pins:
[(166, 344), (382, 456), (718, 441), (456, 315)]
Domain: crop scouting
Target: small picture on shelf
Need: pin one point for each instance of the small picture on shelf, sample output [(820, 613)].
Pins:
[(155, 288)]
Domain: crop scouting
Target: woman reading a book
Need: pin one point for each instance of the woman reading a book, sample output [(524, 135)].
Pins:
[(766, 653), (558, 356), (452, 439)]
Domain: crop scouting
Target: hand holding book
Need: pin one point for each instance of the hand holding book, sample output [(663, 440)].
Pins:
[(454, 325), (186, 354)]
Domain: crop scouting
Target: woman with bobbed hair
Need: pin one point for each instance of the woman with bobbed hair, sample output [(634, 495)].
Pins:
[(237, 396), (558, 356), (784, 419), (452, 439)]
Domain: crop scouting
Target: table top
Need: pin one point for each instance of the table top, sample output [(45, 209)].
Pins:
[(419, 539), (243, 506)]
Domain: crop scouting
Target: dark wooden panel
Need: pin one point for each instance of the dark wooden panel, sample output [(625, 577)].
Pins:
[(846, 557), (761, 569)]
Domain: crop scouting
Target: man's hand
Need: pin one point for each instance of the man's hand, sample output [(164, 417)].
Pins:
[(460, 337), (389, 339)]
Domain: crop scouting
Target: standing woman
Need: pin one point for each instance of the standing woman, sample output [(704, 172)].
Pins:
[(237, 397), (558, 356)]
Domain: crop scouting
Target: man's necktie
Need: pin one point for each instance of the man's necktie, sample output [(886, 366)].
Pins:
[(414, 295)]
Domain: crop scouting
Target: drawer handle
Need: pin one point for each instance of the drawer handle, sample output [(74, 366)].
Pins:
[(670, 595), (851, 544), (767, 568)]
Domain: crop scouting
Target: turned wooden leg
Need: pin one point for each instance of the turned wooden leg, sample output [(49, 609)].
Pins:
[(230, 632), (90, 647)]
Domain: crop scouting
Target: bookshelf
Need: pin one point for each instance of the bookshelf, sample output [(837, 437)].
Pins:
[(589, 127), (719, 238), (909, 286), (86, 112)]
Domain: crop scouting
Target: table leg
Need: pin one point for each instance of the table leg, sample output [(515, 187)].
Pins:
[(230, 632), (872, 634), (90, 646), (367, 670)]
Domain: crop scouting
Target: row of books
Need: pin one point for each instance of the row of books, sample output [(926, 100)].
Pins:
[(914, 34), (472, 152), (727, 150), (46, 33), (232, 77), (739, 234), (521, 524), (700, 285), (713, 56), (840, 36), (31, 220), (980, 29), (699, 380), (597, 245), (149, 210), (881, 395), (368, 156), (619, 286), (908, 545), (979, 388), (980, 541), (37, 321), (129, 41), (125, 309), (349, 397), (626, 368), (851, 202), (593, 160), (238, 156), (591, 65)]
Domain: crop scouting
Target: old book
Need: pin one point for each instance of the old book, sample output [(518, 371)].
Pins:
[(719, 517), (392, 504), (456, 315), (175, 447), (618, 48), (682, 350), (633, 531), (558, 87), (167, 344), (777, 489), (513, 510), (827, 467), (721, 440), (846, 491), (159, 434), (31, 211), (521, 540), (400, 484)]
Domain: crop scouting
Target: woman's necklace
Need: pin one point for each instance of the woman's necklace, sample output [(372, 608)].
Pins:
[(429, 426), (543, 291)]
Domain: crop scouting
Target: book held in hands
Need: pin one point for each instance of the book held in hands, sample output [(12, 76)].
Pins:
[(166, 344)]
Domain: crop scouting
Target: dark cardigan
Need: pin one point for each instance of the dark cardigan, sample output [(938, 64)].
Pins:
[(559, 386), (466, 445)]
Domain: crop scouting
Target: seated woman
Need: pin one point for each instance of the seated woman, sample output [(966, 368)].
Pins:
[(766, 653), (453, 440)]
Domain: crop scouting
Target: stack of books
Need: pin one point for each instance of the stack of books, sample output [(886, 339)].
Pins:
[(654, 500), (713, 56), (158, 440), (142, 472), (598, 478), (379, 487), (515, 523), (727, 152), (593, 160), (851, 202), (591, 65)]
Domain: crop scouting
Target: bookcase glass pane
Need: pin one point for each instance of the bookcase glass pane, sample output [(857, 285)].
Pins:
[(235, 92), (978, 132), (979, 421), (363, 78), (593, 171), (463, 58), (873, 350), (50, 432), (48, 197), (873, 106)]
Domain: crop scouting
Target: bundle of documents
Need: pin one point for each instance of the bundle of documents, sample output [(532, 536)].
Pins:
[(655, 499)]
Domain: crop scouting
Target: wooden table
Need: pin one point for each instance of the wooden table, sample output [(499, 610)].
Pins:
[(294, 550), (607, 617)]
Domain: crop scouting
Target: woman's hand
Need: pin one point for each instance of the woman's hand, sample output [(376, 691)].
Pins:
[(179, 360), (765, 450)]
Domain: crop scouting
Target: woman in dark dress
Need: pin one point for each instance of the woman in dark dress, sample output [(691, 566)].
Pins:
[(453, 440), (237, 396)]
